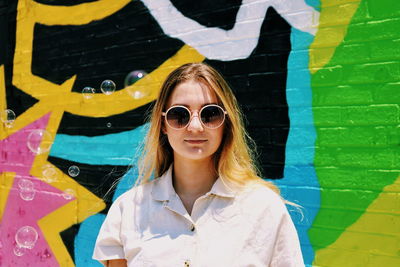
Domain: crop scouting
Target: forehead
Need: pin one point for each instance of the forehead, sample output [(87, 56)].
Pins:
[(192, 93)]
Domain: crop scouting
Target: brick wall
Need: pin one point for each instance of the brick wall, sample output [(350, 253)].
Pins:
[(317, 81)]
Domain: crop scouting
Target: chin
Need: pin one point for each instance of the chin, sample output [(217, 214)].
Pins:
[(196, 155)]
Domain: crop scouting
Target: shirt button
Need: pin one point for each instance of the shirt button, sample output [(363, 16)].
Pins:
[(192, 228), (187, 263)]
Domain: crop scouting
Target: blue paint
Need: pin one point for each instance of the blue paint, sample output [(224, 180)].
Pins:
[(112, 149), (315, 4), (300, 183), (85, 241)]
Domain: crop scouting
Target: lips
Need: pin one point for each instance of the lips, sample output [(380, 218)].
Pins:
[(196, 141)]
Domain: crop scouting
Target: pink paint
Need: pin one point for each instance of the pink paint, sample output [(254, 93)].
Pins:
[(18, 212), (15, 155)]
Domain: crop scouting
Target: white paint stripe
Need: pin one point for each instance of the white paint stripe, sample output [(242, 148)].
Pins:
[(240, 41)]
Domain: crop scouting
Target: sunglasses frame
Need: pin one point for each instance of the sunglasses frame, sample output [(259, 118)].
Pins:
[(164, 114)]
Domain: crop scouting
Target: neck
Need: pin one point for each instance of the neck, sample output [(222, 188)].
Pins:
[(193, 178)]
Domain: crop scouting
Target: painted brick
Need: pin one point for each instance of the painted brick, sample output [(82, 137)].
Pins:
[(377, 11), (355, 107), (383, 93), (352, 178), (353, 136), (387, 158), (370, 115), (346, 95)]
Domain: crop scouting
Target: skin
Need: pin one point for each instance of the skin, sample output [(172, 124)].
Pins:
[(117, 263), (194, 172)]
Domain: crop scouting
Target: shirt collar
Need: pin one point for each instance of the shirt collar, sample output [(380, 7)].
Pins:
[(162, 188)]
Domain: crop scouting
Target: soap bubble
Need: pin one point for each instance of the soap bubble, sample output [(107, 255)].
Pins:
[(27, 194), (107, 87), (25, 184), (73, 171), (134, 76), (137, 94), (68, 194), (88, 92), (39, 141), (49, 173), (27, 191), (8, 117), (19, 251), (137, 91), (26, 237)]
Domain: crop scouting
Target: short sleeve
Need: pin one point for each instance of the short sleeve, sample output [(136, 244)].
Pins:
[(287, 250), (108, 244)]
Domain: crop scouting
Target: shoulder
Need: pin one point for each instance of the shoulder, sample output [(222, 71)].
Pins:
[(135, 195), (261, 198)]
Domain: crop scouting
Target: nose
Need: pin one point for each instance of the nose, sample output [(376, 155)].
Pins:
[(195, 124)]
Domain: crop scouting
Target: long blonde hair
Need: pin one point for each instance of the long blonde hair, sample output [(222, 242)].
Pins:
[(234, 160)]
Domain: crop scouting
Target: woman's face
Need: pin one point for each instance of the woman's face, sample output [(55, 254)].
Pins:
[(194, 142)]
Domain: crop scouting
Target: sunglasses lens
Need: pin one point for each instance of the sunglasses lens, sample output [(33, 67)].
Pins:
[(178, 117), (212, 116)]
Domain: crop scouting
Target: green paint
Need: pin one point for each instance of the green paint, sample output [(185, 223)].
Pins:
[(356, 100)]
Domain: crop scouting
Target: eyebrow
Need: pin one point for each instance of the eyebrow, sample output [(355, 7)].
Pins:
[(205, 104)]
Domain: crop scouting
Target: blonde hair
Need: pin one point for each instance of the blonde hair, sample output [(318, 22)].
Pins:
[(234, 160)]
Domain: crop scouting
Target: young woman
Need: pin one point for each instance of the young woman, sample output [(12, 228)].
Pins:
[(208, 206)]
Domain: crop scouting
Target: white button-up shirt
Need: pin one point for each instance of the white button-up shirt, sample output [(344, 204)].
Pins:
[(149, 226)]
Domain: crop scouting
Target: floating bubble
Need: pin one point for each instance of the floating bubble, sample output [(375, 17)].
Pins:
[(137, 91), (49, 173), (68, 194), (134, 76), (88, 92), (27, 191), (26, 237), (39, 141), (25, 184), (19, 251), (8, 117), (109, 124), (27, 194), (107, 87), (73, 171), (137, 94)]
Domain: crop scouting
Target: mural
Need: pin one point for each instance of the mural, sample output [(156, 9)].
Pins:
[(77, 79)]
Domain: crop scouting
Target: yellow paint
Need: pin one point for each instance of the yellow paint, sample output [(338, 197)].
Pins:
[(3, 101), (34, 113), (52, 224), (333, 23), (95, 106), (61, 95), (6, 182), (77, 14), (374, 240)]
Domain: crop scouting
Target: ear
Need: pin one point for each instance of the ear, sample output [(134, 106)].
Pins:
[(163, 129)]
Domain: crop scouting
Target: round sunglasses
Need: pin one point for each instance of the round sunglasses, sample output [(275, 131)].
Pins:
[(211, 116)]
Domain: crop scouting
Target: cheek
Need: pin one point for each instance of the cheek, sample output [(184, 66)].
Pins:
[(173, 139), (218, 138)]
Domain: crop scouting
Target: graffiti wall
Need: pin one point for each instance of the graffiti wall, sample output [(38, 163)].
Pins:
[(318, 82)]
